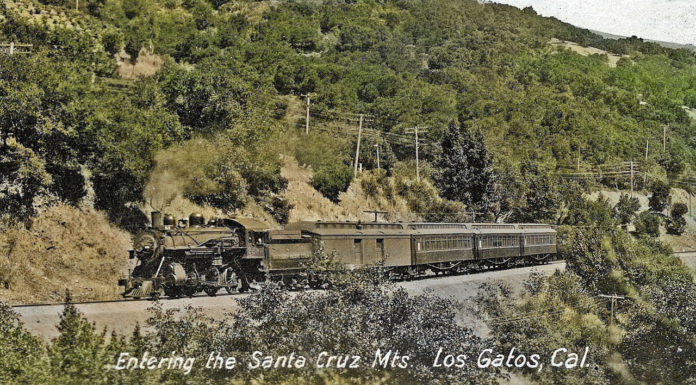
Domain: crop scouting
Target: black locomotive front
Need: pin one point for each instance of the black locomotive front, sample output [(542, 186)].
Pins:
[(184, 257)]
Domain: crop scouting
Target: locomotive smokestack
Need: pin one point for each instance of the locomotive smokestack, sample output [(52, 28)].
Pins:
[(156, 218)]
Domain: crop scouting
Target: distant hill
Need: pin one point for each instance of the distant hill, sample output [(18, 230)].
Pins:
[(665, 44)]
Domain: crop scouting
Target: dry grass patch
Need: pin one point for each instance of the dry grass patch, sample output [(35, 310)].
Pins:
[(612, 59), (65, 248)]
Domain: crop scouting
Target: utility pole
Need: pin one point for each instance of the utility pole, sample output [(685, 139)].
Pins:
[(375, 212), (415, 130), (357, 148), (77, 5), (377, 146), (417, 167), (631, 179), (309, 100), (13, 48), (690, 213), (578, 168), (645, 173), (613, 297)]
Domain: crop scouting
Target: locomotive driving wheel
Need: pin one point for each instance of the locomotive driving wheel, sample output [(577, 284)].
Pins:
[(230, 280), (212, 280)]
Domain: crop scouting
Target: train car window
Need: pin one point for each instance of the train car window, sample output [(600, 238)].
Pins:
[(537, 240)]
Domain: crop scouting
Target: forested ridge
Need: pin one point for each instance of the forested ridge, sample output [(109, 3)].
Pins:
[(70, 125)]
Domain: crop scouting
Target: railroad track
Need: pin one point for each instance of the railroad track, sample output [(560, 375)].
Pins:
[(432, 277), (116, 300)]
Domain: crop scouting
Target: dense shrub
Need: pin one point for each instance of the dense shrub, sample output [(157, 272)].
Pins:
[(676, 224), (648, 224), (333, 179), (625, 209), (660, 196)]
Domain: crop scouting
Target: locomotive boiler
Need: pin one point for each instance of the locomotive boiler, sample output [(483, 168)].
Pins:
[(184, 257)]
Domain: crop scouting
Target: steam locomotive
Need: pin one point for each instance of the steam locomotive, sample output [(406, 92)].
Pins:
[(186, 256)]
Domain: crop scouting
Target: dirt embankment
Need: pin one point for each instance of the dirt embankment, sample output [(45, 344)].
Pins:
[(310, 205), (65, 248)]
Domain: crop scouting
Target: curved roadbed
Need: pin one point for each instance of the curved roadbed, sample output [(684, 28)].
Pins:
[(122, 316)]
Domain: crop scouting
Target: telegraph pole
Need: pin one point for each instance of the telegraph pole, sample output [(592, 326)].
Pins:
[(415, 130), (645, 173), (690, 213), (631, 179), (417, 167), (375, 212), (377, 146), (13, 48), (357, 148), (309, 100), (613, 298)]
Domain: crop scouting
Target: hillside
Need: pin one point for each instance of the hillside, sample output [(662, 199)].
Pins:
[(232, 73), (63, 249), (198, 105)]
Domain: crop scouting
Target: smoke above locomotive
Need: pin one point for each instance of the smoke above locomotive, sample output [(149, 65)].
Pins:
[(189, 255)]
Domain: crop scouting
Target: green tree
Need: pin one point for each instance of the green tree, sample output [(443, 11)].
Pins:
[(79, 353), (625, 209), (23, 177), (676, 224), (464, 167), (23, 355), (660, 196), (648, 224), (541, 199)]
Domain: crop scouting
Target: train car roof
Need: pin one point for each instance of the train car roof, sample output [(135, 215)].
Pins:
[(536, 228), (486, 231), (436, 225), (249, 224), (377, 228), (349, 228), (443, 231)]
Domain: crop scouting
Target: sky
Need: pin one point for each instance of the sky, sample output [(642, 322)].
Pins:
[(665, 20)]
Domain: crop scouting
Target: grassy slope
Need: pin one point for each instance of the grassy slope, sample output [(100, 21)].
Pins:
[(65, 248)]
